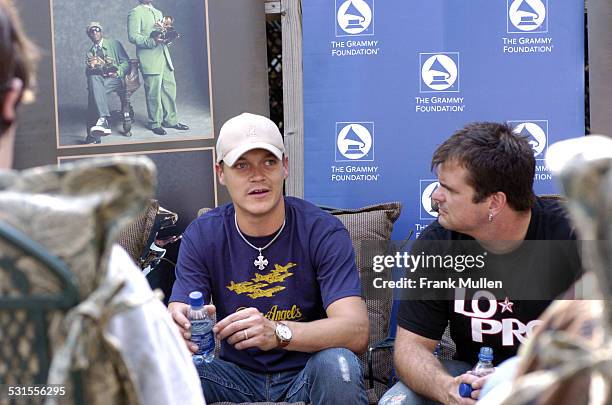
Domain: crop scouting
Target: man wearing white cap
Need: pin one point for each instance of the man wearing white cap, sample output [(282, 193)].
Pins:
[(283, 278)]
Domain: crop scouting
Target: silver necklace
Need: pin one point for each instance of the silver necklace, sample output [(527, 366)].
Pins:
[(261, 262)]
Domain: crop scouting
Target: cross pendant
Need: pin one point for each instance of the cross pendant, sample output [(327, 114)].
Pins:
[(261, 262)]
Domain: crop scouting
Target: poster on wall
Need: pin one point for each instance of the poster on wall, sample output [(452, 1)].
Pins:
[(385, 82), (183, 192), (171, 190), (130, 72)]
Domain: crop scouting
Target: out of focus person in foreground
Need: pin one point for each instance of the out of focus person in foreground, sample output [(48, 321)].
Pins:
[(119, 336), (569, 359)]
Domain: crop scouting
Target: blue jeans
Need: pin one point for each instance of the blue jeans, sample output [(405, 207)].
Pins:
[(331, 376), (401, 394)]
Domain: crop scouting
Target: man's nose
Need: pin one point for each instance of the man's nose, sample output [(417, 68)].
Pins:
[(436, 196), (257, 173)]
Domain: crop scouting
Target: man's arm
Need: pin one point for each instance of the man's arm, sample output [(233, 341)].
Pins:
[(418, 368), (87, 68), (134, 35), (179, 312), (191, 275), (346, 326), (123, 60)]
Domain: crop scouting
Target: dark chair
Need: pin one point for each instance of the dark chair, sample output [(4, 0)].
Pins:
[(136, 237), (28, 307), (141, 238), (132, 83)]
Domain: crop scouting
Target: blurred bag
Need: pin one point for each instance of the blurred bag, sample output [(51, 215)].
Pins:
[(76, 212)]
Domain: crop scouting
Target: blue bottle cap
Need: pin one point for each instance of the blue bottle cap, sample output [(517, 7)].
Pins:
[(486, 354), (465, 390), (196, 299)]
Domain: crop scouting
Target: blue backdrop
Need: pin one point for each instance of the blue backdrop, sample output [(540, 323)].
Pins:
[(385, 82)]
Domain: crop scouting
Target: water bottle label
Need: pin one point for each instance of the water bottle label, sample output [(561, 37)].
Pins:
[(202, 335), (483, 372)]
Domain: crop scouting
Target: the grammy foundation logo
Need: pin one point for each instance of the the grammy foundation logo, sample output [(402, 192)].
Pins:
[(536, 133), (527, 16), (530, 18), (354, 141), (355, 30), (427, 207), (439, 72), (354, 17)]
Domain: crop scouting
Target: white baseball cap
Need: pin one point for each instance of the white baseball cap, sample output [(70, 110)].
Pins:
[(92, 25), (246, 132)]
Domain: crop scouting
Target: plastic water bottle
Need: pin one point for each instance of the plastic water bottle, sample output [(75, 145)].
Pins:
[(482, 368), (201, 329)]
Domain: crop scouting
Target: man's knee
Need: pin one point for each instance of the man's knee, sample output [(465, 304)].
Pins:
[(95, 85), (222, 380), (95, 80), (400, 393), (336, 364), (116, 85)]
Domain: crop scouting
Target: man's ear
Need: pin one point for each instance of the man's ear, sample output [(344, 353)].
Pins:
[(220, 174), (12, 95), (285, 167), (497, 202)]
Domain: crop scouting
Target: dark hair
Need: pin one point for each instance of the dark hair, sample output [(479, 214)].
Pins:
[(495, 158), (18, 55)]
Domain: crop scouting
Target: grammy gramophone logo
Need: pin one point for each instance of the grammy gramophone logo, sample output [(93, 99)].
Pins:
[(427, 209), (536, 133), (354, 141), (354, 17), (527, 16), (439, 72)]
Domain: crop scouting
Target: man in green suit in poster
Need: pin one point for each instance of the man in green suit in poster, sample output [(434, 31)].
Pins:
[(156, 66)]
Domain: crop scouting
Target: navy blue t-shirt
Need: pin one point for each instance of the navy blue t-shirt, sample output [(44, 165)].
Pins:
[(310, 265)]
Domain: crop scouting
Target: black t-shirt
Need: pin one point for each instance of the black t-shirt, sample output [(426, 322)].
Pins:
[(476, 317)]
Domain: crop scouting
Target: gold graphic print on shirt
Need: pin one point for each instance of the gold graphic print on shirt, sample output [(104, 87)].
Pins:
[(258, 286)]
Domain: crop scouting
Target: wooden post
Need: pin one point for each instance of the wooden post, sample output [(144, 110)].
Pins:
[(293, 92)]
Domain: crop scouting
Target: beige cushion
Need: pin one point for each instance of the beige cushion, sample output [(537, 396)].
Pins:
[(365, 225), (75, 211), (135, 235)]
